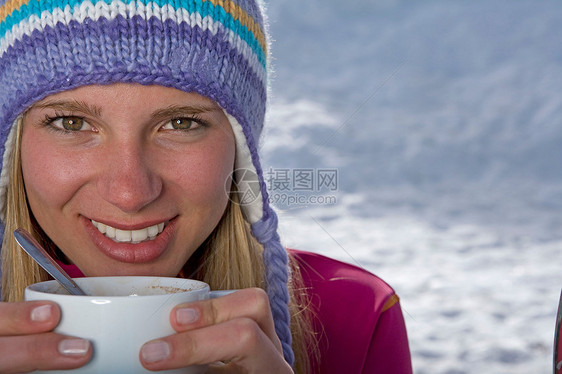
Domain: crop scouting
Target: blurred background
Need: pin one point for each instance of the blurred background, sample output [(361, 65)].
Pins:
[(422, 141)]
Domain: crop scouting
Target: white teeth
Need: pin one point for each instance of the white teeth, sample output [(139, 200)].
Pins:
[(153, 231), (110, 231), (102, 227), (129, 236), (122, 235), (138, 236)]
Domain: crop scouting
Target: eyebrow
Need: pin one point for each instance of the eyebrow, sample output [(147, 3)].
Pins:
[(71, 106), (175, 110), (94, 110)]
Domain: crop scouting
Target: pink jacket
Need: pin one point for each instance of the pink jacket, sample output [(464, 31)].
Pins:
[(358, 318)]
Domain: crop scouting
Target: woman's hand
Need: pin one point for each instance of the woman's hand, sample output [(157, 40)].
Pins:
[(27, 343), (237, 329)]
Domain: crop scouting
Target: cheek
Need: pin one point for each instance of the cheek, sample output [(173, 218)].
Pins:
[(200, 178), (51, 175), (207, 174)]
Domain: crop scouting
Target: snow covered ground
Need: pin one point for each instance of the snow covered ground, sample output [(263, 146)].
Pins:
[(440, 121)]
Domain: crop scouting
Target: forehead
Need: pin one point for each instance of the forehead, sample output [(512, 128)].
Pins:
[(126, 95)]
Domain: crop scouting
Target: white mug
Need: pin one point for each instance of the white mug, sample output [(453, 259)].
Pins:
[(120, 315)]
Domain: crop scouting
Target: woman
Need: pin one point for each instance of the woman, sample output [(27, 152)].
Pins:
[(128, 130)]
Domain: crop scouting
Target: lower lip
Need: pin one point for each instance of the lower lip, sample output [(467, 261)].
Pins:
[(128, 252)]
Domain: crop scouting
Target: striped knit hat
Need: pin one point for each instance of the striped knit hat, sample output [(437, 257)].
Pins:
[(217, 48)]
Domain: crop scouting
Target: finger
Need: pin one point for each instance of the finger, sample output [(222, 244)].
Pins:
[(47, 351), (30, 317), (241, 342), (251, 303)]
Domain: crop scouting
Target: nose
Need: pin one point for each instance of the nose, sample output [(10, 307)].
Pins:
[(128, 180)]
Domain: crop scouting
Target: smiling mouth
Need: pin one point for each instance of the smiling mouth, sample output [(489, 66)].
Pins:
[(129, 236)]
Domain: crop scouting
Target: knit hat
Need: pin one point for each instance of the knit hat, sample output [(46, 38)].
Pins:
[(217, 48)]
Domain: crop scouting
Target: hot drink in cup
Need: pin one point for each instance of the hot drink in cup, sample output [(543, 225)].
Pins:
[(119, 315)]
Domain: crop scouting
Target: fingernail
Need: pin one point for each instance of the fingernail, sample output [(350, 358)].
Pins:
[(42, 313), (74, 347), (155, 351), (185, 316)]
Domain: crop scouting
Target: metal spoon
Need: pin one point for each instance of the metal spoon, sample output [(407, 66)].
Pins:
[(38, 253)]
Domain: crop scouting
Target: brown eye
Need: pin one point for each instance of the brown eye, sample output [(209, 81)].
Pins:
[(182, 124), (72, 123)]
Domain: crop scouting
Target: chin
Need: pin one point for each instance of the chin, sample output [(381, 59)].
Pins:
[(123, 269)]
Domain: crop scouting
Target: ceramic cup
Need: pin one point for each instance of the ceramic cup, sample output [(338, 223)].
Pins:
[(120, 315)]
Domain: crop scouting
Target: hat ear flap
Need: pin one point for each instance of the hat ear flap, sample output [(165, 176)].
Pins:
[(5, 174), (253, 200), (246, 179)]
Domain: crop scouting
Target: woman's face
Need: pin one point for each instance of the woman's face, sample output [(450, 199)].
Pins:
[(127, 179)]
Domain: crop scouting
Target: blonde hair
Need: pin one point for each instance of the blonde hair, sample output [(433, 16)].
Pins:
[(230, 258), (18, 269)]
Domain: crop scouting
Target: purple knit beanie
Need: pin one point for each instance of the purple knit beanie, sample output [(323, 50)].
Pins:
[(217, 48)]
